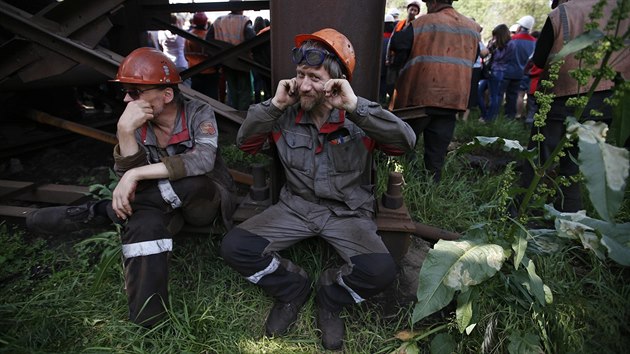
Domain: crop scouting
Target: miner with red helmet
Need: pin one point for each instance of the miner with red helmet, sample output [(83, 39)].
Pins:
[(323, 134), (170, 173)]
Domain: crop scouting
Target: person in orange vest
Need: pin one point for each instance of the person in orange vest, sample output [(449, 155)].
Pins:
[(207, 81), (394, 63), (413, 10), (437, 75), (235, 28)]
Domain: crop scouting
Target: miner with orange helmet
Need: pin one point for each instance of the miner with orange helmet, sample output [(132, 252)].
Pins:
[(323, 134), (170, 173)]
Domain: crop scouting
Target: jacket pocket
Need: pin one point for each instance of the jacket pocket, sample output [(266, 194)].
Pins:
[(346, 151), (298, 150)]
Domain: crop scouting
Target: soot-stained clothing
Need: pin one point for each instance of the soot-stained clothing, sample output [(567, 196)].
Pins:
[(198, 186), (327, 194)]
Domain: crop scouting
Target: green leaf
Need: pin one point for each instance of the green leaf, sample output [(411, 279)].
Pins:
[(586, 234), (536, 286), (519, 246), (578, 43), (620, 127), (605, 167), (464, 312), (504, 144), (451, 266), (524, 344), (443, 343), (618, 250), (615, 237)]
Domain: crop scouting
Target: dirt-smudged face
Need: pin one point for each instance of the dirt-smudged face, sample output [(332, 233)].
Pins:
[(310, 81)]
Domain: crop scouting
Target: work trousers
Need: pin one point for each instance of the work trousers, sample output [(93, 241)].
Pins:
[(252, 249), (147, 241), (239, 86), (437, 131)]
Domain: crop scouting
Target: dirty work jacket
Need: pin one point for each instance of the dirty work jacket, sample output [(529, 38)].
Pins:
[(439, 68), (568, 21), (191, 151), (327, 166)]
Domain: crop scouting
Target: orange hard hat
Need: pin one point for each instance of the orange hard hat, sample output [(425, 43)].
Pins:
[(337, 42), (147, 66)]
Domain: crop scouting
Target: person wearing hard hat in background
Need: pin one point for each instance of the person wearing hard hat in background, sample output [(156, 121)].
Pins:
[(207, 81), (393, 62), (395, 14), (568, 20), (388, 28), (436, 76), (324, 135), (516, 80), (170, 172)]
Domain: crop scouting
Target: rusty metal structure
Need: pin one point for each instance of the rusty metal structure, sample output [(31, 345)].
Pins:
[(49, 44)]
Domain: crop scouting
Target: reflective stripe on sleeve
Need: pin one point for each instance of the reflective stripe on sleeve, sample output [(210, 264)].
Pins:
[(147, 248), (356, 297), (272, 267), (168, 194)]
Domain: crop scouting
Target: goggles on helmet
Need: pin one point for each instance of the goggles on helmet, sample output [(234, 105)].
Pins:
[(312, 57), (135, 93)]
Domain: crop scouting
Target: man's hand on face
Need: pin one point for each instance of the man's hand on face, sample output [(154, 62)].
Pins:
[(340, 94), (286, 94), (135, 115)]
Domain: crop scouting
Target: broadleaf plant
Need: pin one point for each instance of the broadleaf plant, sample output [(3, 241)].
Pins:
[(485, 250)]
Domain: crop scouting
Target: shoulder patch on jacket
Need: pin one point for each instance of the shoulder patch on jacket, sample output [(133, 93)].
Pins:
[(208, 128)]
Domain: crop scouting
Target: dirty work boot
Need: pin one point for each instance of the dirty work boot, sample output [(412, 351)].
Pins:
[(284, 314), (332, 328), (64, 219)]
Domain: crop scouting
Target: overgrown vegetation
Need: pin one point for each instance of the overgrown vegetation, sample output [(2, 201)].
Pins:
[(502, 258), (71, 299), (544, 294)]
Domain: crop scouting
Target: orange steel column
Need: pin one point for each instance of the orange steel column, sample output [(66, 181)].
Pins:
[(361, 21)]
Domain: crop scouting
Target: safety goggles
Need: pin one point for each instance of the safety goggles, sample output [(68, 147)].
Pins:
[(312, 57), (135, 93)]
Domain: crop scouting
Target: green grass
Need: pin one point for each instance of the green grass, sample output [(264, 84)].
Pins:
[(66, 295)]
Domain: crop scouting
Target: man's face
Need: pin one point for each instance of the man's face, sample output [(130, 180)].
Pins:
[(412, 12), (154, 95), (310, 81)]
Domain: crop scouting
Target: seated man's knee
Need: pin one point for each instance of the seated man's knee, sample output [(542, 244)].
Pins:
[(378, 269), (239, 245)]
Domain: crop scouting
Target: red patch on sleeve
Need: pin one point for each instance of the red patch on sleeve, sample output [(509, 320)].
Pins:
[(208, 128)]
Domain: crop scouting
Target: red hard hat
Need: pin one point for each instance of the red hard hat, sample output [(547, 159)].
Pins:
[(337, 42), (147, 66), (200, 19)]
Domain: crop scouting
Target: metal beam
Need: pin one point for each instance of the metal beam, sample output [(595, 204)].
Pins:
[(13, 20), (225, 55), (210, 6)]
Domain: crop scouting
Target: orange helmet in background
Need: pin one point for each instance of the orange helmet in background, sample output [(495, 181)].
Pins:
[(337, 42), (147, 66)]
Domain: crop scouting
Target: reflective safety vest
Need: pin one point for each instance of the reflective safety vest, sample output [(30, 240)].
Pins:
[(194, 52), (439, 68), (568, 21), (230, 28)]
